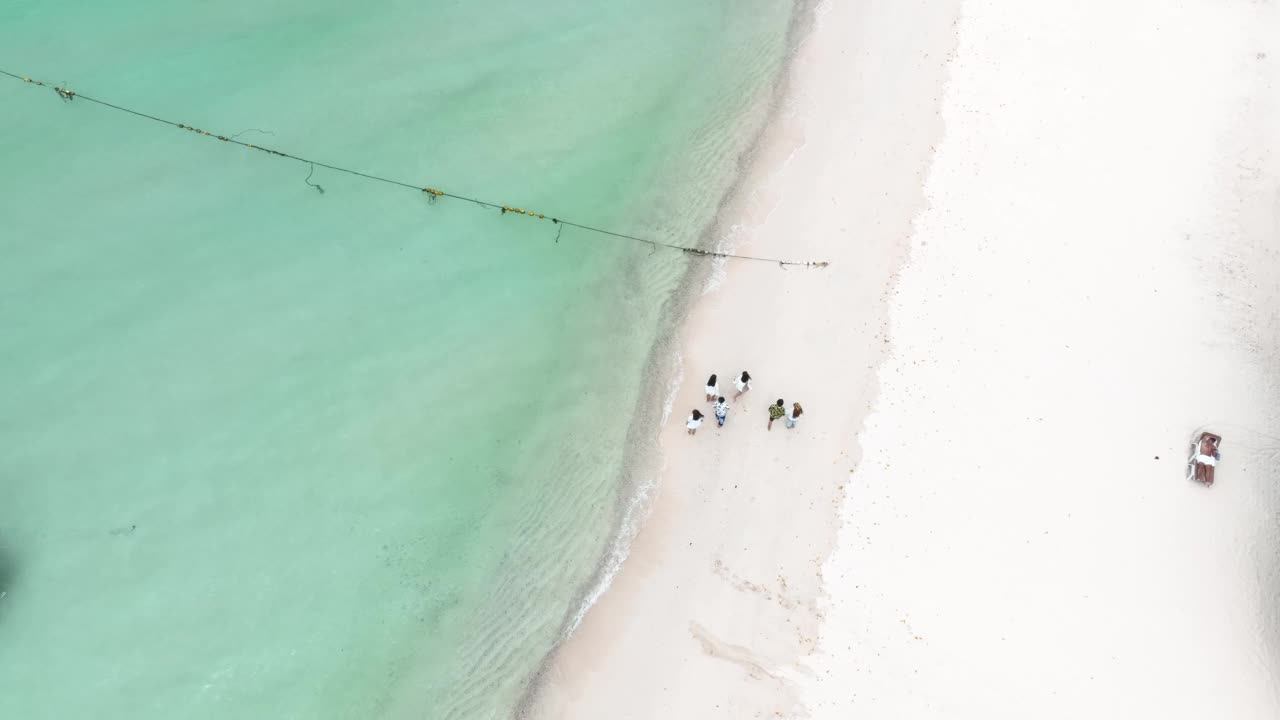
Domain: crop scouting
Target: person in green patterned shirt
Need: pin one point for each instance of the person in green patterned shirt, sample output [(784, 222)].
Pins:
[(776, 411)]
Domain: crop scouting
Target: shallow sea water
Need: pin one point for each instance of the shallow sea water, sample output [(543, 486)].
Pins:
[(267, 452)]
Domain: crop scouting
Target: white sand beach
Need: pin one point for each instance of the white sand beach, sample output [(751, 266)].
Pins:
[(1053, 234), (1095, 278)]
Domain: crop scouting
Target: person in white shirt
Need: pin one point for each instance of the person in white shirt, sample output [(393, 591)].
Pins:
[(713, 388), (794, 416), (721, 410), (695, 422), (743, 383)]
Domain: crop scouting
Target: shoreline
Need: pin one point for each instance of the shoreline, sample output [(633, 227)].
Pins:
[(664, 373), (775, 192), (665, 366)]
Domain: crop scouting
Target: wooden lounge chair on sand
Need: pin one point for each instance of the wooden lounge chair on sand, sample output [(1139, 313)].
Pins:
[(1204, 458)]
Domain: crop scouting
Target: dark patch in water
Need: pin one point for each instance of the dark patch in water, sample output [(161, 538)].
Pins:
[(8, 573)]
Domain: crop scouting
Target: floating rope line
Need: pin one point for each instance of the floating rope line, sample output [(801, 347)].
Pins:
[(307, 180), (242, 132), (432, 194)]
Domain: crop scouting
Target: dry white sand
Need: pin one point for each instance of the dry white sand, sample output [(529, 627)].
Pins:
[(1092, 276), (1095, 278)]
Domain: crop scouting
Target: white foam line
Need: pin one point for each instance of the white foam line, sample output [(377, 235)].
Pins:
[(633, 515), (619, 550), (716, 277), (673, 385)]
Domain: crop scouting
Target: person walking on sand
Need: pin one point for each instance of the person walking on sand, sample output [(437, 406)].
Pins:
[(695, 422), (713, 388), (743, 383), (721, 410), (796, 412), (776, 411)]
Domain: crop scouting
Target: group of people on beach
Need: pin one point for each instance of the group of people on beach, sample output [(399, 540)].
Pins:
[(720, 408)]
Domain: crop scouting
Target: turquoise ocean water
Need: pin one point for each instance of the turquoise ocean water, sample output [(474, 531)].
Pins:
[(271, 453)]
